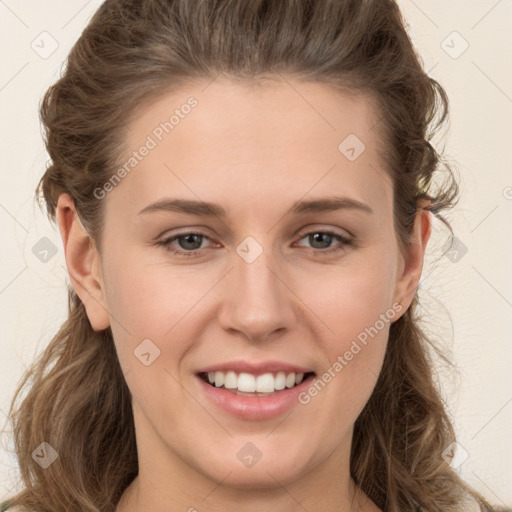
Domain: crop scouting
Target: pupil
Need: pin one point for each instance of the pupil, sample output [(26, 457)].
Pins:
[(187, 240), (318, 237)]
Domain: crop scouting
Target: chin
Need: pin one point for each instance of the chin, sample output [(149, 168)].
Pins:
[(261, 476)]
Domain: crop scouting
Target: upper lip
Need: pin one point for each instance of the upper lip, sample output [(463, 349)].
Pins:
[(255, 368)]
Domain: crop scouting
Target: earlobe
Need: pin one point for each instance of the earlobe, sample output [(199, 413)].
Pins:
[(83, 263), (411, 264)]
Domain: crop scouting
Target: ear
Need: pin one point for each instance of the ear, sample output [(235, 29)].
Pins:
[(83, 262), (411, 263)]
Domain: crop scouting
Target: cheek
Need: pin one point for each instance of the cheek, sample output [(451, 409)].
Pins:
[(356, 306), (358, 313), (151, 298), (155, 301), (352, 298)]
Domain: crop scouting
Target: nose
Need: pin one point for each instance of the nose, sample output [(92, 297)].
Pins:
[(257, 300)]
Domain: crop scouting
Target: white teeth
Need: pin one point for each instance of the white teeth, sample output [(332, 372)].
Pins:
[(265, 383), (248, 383), (290, 380), (230, 380), (219, 379), (280, 381)]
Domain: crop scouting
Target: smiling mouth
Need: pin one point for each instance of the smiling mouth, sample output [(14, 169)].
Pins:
[(246, 384)]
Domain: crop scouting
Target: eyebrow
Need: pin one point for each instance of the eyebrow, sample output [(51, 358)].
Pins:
[(206, 209)]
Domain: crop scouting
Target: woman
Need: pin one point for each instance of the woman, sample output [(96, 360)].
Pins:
[(217, 354)]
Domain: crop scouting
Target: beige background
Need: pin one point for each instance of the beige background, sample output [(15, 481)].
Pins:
[(468, 295)]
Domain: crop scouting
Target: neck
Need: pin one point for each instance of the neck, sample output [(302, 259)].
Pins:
[(135, 498)]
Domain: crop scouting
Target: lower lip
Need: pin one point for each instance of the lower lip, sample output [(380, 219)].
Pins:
[(254, 407)]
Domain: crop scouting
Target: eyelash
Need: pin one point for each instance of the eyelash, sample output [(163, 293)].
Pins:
[(166, 243)]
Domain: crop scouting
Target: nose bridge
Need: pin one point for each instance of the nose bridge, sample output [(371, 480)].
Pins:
[(257, 302)]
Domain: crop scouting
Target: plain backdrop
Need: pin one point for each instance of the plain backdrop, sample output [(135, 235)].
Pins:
[(466, 289)]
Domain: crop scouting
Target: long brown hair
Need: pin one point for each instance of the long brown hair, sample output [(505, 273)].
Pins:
[(132, 50)]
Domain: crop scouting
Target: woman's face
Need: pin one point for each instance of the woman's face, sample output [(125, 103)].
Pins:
[(262, 288)]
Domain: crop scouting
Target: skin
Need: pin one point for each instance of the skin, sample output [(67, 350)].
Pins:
[(272, 148)]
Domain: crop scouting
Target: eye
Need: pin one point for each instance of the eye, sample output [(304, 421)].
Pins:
[(191, 242), (323, 239)]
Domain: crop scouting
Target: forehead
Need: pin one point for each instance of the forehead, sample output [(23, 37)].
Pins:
[(284, 136)]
